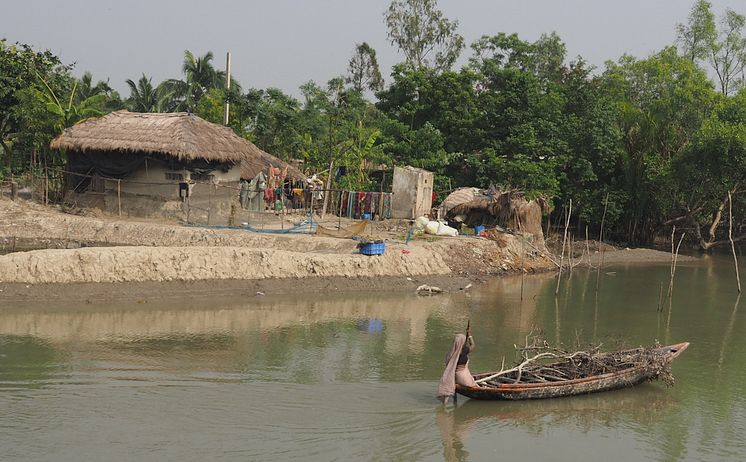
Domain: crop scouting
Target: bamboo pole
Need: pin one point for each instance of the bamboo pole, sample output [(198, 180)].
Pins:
[(570, 250), (119, 197), (730, 237), (673, 273), (674, 259), (601, 249), (562, 254), (46, 187), (728, 332), (660, 298)]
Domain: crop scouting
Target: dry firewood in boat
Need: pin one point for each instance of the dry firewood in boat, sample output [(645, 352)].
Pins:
[(541, 363)]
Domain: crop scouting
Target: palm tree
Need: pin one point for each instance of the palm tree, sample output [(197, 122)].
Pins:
[(86, 89), (201, 77), (146, 98)]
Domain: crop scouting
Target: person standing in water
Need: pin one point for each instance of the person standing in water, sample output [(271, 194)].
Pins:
[(457, 366)]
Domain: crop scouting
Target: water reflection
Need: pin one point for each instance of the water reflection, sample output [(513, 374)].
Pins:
[(578, 414), (26, 359), (353, 377)]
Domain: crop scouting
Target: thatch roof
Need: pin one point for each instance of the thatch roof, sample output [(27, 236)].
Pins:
[(183, 136), (510, 209)]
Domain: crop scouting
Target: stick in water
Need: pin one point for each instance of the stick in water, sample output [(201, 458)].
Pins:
[(730, 236), (562, 254)]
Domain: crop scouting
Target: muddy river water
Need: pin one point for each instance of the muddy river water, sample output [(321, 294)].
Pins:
[(353, 376)]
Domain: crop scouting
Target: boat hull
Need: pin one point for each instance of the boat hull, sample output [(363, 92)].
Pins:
[(605, 382)]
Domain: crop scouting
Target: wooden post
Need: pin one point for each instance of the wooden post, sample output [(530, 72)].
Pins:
[(13, 190), (119, 197), (730, 237)]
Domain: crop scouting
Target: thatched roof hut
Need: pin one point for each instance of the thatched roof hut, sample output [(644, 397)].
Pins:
[(508, 209), (179, 135)]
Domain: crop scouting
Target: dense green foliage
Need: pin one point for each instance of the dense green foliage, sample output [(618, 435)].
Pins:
[(642, 144)]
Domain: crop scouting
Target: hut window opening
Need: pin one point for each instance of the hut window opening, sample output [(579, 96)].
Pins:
[(206, 177), (174, 176)]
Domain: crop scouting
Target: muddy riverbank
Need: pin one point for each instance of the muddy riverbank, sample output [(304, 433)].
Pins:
[(77, 254), (147, 292), (84, 249)]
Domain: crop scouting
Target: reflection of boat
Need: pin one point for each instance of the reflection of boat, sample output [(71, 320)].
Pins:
[(591, 384)]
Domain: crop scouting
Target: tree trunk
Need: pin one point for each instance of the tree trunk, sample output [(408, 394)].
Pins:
[(717, 217)]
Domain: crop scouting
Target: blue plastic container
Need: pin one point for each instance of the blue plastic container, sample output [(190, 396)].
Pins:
[(365, 216), (478, 229), (373, 248)]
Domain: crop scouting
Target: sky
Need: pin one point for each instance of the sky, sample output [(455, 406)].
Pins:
[(285, 43)]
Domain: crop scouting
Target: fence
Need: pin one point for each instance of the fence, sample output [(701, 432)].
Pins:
[(25, 187), (202, 202)]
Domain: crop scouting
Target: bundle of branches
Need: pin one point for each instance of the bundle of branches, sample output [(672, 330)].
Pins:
[(541, 363)]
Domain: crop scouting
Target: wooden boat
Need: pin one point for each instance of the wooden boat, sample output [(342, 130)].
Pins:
[(592, 384)]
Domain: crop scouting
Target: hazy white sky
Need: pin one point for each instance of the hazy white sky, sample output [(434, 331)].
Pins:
[(284, 43)]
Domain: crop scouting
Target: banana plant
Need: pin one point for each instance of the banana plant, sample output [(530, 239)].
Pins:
[(72, 112)]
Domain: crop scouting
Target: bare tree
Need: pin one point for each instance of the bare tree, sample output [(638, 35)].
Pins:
[(728, 54), (363, 71), (427, 38), (699, 34)]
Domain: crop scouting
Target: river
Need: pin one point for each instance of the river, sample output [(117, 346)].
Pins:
[(353, 376)]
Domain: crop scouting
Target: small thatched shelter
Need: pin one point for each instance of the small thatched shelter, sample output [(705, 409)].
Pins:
[(164, 156), (507, 209)]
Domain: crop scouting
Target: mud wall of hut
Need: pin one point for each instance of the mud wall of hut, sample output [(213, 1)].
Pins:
[(152, 191)]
